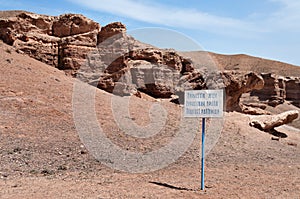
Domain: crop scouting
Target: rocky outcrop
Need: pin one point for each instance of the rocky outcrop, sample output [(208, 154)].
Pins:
[(273, 91), (292, 85), (73, 50), (17, 26), (278, 89), (255, 109), (236, 84), (124, 67), (111, 30), (268, 123), (32, 34), (164, 74), (63, 41), (112, 60), (109, 61), (133, 68), (149, 70), (72, 24)]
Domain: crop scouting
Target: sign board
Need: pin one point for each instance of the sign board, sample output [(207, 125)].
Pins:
[(203, 103)]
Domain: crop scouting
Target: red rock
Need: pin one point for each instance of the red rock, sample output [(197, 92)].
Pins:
[(267, 123), (273, 91), (236, 84), (73, 24), (111, 30)]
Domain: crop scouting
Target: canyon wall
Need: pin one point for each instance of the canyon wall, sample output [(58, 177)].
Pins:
[(110, 59)]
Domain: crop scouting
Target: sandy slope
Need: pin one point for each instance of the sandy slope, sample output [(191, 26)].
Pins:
[(43, 157), (241, 62), (256, 64)]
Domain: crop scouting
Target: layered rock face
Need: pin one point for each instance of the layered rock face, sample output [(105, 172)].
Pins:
[(152, 71), (62, 41), (32, 34), (161, 73), (278, 89), (112, 60), (292, 85), (273, 91), (124, 66), (111, 30)]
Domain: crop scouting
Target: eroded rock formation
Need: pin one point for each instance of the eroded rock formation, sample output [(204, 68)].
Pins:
[(292, 85), (278, 89), (269, 122), (238, 83), (152, 71), (111, 30), (63, 41), (112, 60), (273, 91), (164, 74), (254, 108)]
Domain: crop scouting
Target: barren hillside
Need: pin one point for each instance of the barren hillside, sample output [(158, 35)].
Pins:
[(42, 155), (256, 64), (62, 138)]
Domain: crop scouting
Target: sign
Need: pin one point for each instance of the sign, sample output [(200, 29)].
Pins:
[(203, 103)]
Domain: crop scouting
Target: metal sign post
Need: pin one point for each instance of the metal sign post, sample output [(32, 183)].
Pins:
[(203, 154), (203, 104)]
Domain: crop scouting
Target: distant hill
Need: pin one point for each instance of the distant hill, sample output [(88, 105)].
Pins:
[(12, 13), (249, 63)]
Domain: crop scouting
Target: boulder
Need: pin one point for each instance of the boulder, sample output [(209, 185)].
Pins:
[(254, 110), (269, 122)]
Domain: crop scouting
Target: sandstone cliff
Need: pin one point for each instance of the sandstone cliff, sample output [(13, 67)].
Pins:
[(63, 41), (110, 59)]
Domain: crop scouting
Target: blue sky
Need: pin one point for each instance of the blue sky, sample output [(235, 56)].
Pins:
[(264, 28)]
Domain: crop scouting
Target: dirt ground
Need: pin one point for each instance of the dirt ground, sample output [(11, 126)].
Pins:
[(42, 155)]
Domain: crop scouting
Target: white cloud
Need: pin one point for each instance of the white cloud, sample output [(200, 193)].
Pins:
[(272, 34), (170, 16), (287, 17)]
